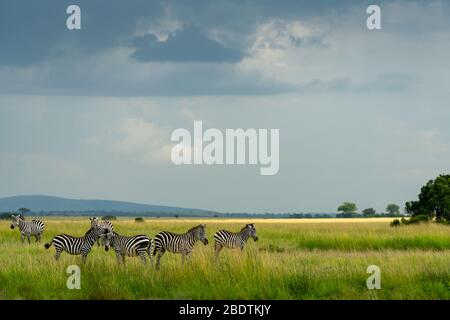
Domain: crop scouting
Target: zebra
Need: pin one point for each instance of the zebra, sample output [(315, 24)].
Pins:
[(227, 239), (178, 243), (139, 245), (95, 221), (28, 228), (77, 245)]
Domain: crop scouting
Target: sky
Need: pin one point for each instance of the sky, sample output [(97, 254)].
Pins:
[(363, 114)]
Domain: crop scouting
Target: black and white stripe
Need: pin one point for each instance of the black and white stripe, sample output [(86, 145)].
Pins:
[(129, 246), (28, 228), (227, 239), (77, 245), (95, 221), (178, 243)]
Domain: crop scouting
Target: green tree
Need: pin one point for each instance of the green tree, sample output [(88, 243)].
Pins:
[(369, 212), (434, 199), (24, 211), (347, 207), (392, 209)]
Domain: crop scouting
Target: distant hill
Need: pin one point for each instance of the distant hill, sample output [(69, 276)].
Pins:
[(54, 205)]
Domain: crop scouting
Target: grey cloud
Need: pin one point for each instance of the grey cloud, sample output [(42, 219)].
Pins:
[(187, 45)]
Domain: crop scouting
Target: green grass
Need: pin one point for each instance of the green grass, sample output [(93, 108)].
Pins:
[(294, 259)]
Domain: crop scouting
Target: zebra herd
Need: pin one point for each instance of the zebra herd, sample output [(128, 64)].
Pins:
[(102, 232)]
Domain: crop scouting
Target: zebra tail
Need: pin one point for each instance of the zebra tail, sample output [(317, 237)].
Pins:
[(47, 245), (151, 250)]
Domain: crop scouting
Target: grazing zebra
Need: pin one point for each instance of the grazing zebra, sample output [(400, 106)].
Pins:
[(139, 245), (95, 221), (77, 245), (178, 243), (227, 239), (28, 228)]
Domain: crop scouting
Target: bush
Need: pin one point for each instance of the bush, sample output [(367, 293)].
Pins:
[(442, 221), (5, 216), (416, 219), (395, 223), (8, 215), (139, 219)]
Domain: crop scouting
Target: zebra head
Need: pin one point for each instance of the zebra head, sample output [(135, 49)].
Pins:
[(252, 231), (94, 221), (99, 232), (15, 221), (200, 233), (108, 239)]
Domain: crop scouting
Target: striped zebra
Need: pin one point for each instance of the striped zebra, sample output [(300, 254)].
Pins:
[(227, 239), (133, 246), (77, 245), (95, 221), (28, 228), (178, 243)]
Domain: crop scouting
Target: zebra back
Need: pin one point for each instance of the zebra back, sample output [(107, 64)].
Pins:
[(128, 245), (33, 227), (177, 243), (235, 239)]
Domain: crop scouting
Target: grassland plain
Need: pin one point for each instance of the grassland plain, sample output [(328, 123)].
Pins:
[(294, 259)]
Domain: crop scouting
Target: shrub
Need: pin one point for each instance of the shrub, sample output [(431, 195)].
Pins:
[(395, 223), (416, 219), (5, 216), (139, 219)]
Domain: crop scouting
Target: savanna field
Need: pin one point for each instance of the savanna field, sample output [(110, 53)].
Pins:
[(293, 259)]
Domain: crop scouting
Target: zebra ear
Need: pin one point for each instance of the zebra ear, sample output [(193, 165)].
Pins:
[(203, 225)]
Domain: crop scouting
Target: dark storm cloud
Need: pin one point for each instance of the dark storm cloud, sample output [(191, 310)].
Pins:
[(187, 45), (32, 32), (39, 55)]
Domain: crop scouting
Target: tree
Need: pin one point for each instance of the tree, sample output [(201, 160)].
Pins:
[(24, 211), (434, 199), (369, 212), (347, 207), (393, 209)]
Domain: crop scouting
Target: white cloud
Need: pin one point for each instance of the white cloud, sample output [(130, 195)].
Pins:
[(144, 141)]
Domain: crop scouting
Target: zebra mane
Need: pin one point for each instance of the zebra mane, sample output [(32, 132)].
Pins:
[(89, 231), (247, 225), (196, 227)]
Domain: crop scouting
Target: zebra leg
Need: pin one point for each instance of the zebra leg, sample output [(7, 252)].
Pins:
[(28, 237), (57, 254), (143, 258), (158, 259), (22, 237), (118, 258), (188, 256), (37, 237), (84, 258), (217, 248), (183, 257)]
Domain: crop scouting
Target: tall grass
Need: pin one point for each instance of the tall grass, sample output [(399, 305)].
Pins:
[(292, 260)]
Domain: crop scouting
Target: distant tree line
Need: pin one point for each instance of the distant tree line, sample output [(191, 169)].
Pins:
[(348, 210)]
